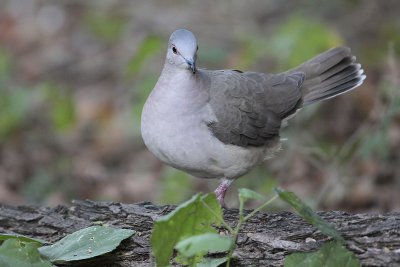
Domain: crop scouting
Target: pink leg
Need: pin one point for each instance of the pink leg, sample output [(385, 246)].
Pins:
[(221, 190)]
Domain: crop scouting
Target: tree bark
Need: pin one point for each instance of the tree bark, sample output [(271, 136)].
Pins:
[(264, 240)]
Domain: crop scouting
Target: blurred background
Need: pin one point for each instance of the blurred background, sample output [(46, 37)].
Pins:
[(74, 76)]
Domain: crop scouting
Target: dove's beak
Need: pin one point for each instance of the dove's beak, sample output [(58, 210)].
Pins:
[(192, 65)]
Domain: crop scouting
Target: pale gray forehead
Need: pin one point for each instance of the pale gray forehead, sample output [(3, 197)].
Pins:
[(183, 37)]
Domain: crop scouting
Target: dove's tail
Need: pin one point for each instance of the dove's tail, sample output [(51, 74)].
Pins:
[(329, 74)]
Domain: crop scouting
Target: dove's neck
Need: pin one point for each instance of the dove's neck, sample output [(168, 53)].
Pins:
[(181, 89)]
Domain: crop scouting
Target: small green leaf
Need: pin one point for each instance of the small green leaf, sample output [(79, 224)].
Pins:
[(332, 254), (308, 214), (190, 218), (245, 194), (202, 244), (85, 243), (4, 237), (211, 262), (14, 252)]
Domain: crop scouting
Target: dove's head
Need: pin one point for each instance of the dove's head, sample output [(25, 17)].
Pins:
[(182, 50)]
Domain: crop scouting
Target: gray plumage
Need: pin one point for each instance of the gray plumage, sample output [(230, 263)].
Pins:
[(261, 101), (221, 123)]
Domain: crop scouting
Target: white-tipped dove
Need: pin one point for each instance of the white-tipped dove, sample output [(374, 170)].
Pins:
[(222, 123)]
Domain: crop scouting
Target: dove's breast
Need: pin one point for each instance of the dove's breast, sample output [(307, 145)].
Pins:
[(174, 128)]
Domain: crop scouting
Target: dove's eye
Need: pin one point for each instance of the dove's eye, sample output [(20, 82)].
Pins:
[(174, 50)]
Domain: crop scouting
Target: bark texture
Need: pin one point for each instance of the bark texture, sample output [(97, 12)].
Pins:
[(264, 240)]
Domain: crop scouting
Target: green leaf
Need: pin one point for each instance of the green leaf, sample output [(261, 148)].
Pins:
[(22, 238), (246, 194), (202, 244), (14, 252), (190, 218), (308, 214), (211, 262), (332, 254), (85, 243)]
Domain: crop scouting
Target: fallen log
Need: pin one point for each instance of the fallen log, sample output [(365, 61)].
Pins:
[(264, 240)]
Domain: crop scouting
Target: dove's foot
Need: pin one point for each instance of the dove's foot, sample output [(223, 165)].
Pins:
[(221, 190)]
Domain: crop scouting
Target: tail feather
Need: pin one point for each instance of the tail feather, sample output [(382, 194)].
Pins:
[(338, 90), (330, 74), (321, 63), (312, 81), (342, 77)]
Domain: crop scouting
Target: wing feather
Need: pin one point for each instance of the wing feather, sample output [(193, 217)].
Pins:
[(250, 106)]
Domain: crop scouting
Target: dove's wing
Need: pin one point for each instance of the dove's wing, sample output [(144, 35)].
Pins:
[(249, 107)]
